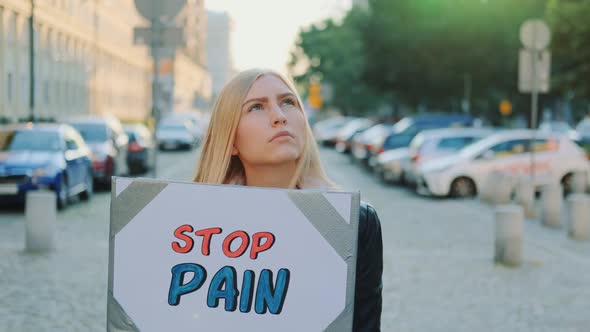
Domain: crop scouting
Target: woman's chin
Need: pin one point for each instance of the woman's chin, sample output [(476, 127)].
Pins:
[(284, 155)]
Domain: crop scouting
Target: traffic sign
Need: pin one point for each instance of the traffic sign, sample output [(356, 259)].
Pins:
[(533, 71), (535, 34), (162, 10), (179, 259), (315, 99), (167, 37)]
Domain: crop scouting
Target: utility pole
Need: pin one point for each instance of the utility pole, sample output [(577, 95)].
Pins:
[(32, 63), (160, 36)]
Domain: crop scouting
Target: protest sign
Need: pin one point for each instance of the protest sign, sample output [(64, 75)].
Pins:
[(221, 258)]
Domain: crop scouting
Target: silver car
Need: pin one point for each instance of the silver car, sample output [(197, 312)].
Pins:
[(173, 135)]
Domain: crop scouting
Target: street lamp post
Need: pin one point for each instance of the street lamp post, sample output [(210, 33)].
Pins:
[(32, 63)]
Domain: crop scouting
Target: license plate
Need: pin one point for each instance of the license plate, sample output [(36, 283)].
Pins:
[(8, 189)]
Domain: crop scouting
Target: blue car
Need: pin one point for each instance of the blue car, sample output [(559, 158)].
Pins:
[(52, 156)]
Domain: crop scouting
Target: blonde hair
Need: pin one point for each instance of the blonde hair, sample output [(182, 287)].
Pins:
[(216, 163)]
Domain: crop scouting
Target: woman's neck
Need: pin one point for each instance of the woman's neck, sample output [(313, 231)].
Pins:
[(273, 176)]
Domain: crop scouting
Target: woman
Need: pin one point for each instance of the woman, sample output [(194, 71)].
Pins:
[(259, 136)]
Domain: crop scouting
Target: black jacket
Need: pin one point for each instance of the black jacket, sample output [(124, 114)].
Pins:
[(369, 268)]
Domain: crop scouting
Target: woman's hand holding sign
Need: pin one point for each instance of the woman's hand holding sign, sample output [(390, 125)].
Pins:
[(224, 283)]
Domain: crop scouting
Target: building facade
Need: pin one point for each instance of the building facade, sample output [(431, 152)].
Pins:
[(84, 61), (220, 58)]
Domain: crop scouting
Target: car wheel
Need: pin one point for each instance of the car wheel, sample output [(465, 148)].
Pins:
[(62, 194), (463, 187), (87, 194)]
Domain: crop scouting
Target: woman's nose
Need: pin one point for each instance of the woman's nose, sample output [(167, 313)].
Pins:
[(278, 116)]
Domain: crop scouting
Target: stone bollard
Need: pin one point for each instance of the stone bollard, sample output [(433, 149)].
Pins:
[(552, 197), (579, 182), (578, 206), (498, 188), (41, 216), (525, 197), (509, 234)]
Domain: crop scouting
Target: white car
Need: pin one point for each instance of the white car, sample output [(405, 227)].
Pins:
[(389, 165), (437, 143), (556, 157)]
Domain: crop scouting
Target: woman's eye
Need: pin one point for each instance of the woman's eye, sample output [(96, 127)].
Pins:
[(255, 107), (289, 101)]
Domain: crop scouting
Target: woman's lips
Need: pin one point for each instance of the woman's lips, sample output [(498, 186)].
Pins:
[(282, 133)]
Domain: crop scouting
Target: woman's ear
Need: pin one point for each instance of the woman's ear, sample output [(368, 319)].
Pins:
[(234, 151)]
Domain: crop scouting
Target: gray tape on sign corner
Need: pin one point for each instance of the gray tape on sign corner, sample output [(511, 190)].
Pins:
[(126, 205), (330, 224), (117, 319), (324, 217)]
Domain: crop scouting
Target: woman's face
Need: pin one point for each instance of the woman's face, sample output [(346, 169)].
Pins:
[(272, 125)]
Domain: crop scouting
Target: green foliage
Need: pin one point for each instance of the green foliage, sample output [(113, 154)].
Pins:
[(422, 52), (335, 54), (570, 44)]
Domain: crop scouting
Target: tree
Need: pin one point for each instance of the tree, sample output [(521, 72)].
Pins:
[(570, 25), (424, 49), (334, 53)]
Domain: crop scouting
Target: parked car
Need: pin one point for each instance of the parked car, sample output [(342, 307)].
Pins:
[(141, 149), (583, 133), (196, 123), (462, 174), (558, 127), (436, 143), (52, 156), (363, 143), (583, 127), (388, 165), (326, 131), (350, 130), (108, 142), (407, 128), (175, 134)]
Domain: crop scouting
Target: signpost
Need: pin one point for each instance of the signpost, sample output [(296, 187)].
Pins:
[(162, 37), (275, 260), (534, 66)]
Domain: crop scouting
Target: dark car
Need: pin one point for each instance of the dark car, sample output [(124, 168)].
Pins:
[(108, 142), (52, 156), (141, 149)]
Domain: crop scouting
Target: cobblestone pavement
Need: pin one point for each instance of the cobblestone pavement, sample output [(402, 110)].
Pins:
[(439, 274)]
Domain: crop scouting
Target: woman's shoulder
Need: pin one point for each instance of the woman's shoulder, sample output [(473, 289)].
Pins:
[(369, 222)]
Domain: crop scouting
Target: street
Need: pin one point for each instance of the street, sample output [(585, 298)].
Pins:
[(439, 273)]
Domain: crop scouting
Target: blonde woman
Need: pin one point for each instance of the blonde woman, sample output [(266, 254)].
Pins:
[(259, 136)]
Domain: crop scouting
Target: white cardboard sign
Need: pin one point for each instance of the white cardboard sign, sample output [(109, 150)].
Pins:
[(221, 258)]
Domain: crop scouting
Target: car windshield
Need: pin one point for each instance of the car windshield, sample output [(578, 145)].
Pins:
[(29, 140), (92, 132), (397, 141)]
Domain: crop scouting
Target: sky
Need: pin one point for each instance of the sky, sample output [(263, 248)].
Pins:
[(265, 30)]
